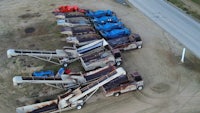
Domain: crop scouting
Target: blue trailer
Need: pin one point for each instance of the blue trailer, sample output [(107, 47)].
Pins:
[(109, 26), (105, 19), (116, 33), (99, 13), (47, 73)]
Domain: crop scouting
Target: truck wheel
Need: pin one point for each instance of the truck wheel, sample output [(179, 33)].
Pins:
[(79, 107), (118, 63), (65, 64), (140, 88), (116, 94), (139, 47)]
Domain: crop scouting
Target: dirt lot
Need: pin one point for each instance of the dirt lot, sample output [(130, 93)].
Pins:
[(170, 87)]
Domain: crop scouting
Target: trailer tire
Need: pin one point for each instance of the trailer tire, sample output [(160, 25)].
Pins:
[(118, 63), (140, 87), (78, 107), (139, 47), (116, 94), (65, 64)]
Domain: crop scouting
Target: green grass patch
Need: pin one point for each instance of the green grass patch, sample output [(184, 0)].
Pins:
[(182, 6), (196, 1)]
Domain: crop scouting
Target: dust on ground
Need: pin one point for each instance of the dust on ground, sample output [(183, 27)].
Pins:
[(170, 87)]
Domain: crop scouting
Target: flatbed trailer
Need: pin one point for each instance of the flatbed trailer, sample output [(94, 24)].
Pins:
[(72, 99), (74, 22), (70, 31), (85, 39), (126, 43), (69, 15), (123, 84), (96, 60)]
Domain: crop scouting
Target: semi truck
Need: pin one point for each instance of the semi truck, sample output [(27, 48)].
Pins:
[(73, 22), (123, 84), (72, 99)]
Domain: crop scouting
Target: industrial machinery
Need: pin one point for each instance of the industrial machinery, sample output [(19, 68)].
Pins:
[(71, 31), (73, 22), (64, 81), (72, 99), (80, 40), (68, 55), (101, 59), (69, 15), (68, 8)]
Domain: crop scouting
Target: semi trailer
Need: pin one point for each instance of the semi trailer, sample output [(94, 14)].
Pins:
[(80, 40), (71, 31), (73, 22)]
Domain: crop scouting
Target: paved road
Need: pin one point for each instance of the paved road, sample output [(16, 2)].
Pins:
[(178, 24)]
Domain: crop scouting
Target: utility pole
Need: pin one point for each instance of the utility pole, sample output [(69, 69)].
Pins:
[(183, 55)]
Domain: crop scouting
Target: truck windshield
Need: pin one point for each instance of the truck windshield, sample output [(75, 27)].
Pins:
[(117, 55)]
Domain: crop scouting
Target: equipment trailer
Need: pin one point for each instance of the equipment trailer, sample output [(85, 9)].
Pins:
[(81, 40), (65, 81), (72, 99), (74, 22), (69, 54), (100, 59), (69, 15), (70, 31)]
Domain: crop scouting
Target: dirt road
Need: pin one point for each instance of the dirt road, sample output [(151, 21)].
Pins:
[(170, 87)]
